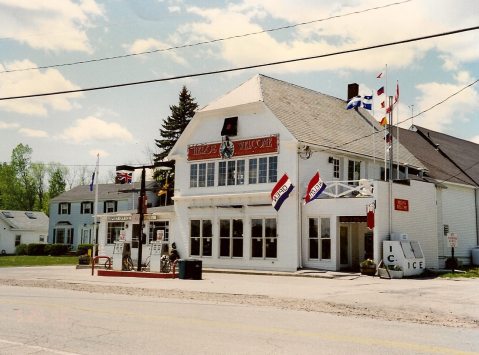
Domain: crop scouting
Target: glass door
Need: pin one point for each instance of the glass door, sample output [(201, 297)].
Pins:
[(344, 247)]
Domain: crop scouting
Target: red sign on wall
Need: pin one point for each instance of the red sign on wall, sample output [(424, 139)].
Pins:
[(261, 145), (401, 205)]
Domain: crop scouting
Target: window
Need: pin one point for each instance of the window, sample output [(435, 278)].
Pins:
[(319, 238), (231, 238), (18, 240), (113, 231), (231, 172), (110, 206), (63, 233), (64, 208), (201, 235), (42, 239), (202, 174), (7, 214), (335, 168), (30, 215), (87, 207), (262, 170), (354, 172), (264, 238), (159, 228)]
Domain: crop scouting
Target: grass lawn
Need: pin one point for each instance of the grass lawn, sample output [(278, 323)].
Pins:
[(27, 260), (467, 272)]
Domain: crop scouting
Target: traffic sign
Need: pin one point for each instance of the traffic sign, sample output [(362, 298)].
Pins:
[(452, 239)]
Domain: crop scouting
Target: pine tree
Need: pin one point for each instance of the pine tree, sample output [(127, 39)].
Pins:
[(172, 128)]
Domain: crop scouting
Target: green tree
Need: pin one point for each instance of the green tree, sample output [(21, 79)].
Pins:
[(8, 186), (57, 181), (21, 164), (39, 174), (172, 127)]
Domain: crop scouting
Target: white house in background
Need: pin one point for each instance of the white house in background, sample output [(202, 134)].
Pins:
[(237, 148), (21, 227)]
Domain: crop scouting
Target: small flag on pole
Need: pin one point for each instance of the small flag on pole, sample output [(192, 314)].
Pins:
[(355, 102), (315, 187), (383, 122), (379, 75), (380, 90), (368, 102), (123, 177), (92, 181), (281, 192), (396, 97)]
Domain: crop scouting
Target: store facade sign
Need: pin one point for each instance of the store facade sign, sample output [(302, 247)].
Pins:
[(253, 146)]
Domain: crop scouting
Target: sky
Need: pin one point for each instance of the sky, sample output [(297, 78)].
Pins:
[(121, 124)]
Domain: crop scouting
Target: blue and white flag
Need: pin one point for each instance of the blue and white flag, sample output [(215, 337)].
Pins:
[(368, 102), (281, 192), (355, 102), (315, 187)]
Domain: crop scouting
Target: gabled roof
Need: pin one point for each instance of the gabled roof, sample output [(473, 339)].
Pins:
[(314, 118), (25, 220), (462, 153), (439, 167), (105, 192)]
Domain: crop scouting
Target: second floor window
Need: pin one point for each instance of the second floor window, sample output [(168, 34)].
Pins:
[(354, 172), (335, 168), (231, 172), (64, 208), (87, 207), (110, 206), (202, 174)]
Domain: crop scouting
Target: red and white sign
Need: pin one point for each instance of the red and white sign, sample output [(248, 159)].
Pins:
[(452, 239), (401, 205), (261, 145)]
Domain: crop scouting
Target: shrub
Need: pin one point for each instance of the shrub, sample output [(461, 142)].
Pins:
[(36, 249), (82, 249), (367, 262), (56, 249), (21, 249)]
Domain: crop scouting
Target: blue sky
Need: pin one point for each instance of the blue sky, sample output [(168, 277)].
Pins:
[(121, 124)]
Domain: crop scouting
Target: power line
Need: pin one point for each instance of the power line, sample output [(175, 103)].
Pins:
[(205, 42), (415, 39)]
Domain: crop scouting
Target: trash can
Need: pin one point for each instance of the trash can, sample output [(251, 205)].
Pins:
[(189, 269), (475, 256)]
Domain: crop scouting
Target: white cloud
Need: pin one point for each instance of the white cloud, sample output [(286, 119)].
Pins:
[(6, 125), (35, 133), (151, 44), (50, 25), (458, 109), (337, 34), (33, 82), (94, 129)]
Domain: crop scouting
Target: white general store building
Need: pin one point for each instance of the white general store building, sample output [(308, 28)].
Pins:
[(222, 212)]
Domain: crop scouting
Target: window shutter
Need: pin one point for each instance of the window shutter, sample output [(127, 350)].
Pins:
[(59, 208), (116, 206), (69, 206), (104, 207)]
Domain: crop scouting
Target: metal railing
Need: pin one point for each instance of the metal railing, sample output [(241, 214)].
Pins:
[(350, 188)]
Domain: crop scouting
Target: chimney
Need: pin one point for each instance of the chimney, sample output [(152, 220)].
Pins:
[(353, 90)]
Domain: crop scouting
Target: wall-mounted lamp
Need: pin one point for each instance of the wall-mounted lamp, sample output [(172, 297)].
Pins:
[(330, 160)]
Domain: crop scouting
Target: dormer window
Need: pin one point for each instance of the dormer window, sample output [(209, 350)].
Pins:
[(30, 215)]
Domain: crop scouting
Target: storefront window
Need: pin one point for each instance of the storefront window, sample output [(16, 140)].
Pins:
[(319, 238), (264, 238), (113, 232), (159, 229), (201, 238), (231, 238)]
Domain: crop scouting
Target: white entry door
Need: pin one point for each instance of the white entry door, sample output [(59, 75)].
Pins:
[(344, 247)]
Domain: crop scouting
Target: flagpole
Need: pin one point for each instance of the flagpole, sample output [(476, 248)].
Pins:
[(397, 137), (97, 171)]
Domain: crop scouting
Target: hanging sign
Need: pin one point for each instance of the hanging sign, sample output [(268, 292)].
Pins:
[(228, 149)]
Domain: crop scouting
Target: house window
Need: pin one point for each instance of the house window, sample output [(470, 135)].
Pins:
[(354, 172), (87, 207), (335, 168), (231, 238), (113, 231), (110, 206), (64, 208), (18, 240), (201, 237), (202, 174), (264, 238), (63, 233), (231, 172), (159, 228), (262, 170), (319, 239)]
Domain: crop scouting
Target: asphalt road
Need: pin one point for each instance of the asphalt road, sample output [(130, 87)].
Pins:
[(60, 310)]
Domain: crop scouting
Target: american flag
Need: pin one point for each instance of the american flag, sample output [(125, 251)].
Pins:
[(123, 177)]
